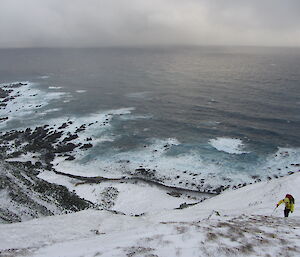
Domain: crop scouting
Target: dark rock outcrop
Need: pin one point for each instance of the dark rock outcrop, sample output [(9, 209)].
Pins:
[(70, 138), (63, 148), (86, 146)]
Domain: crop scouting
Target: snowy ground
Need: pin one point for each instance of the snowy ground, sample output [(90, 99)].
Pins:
[(245, 227), (129, 198)]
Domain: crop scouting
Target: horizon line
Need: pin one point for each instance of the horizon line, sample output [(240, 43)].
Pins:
[(146, 46)]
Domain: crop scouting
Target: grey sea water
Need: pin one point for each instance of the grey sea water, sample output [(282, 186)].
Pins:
[(219, 112)]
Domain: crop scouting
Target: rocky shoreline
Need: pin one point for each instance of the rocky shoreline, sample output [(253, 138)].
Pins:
[(24, 195), (44, 143), (31, 150)]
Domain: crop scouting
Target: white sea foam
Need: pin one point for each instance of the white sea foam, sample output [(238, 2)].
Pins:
[(44, 77), (136, 117), (28, 100), (228, 145), (283, 161), (144, 94), (54, 87), (80, 91), (96, 126), (190, 166), (55, 95), (49, 111), (154, 157)]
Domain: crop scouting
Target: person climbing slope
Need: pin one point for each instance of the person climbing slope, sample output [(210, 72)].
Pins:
[(289, 202)]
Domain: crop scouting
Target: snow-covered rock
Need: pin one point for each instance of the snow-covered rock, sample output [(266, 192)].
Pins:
[(23, 196)]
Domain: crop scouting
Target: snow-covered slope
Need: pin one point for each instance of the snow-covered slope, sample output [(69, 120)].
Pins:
[(23, 196), (247, 226)]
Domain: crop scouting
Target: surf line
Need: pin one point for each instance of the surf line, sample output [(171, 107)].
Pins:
[(99, 179)]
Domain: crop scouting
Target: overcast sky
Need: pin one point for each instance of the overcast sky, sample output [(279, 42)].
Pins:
[(92, 23)]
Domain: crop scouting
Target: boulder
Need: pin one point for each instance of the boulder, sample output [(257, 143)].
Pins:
[(64, 125), (70, 158), (86, 146), (70, 138), (62, 148)]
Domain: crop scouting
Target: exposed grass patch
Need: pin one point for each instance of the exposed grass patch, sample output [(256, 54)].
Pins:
[(211, 236), (139, 251)]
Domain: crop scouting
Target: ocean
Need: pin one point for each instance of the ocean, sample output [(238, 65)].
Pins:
[(193, 117)]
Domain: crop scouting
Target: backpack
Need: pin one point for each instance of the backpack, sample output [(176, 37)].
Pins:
[(291, 198)]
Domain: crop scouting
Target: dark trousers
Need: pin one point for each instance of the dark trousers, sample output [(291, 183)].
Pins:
[(286, 212)]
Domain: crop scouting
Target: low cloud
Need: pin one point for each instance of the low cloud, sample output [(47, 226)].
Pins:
[(92, 23)]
